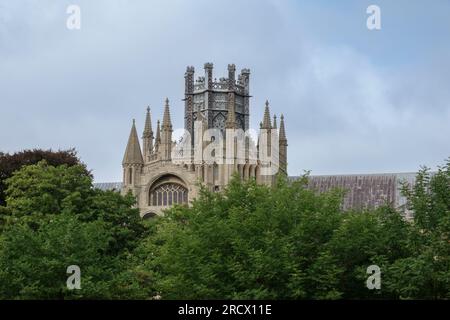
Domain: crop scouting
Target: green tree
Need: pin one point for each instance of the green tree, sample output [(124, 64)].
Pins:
[(43, 189), (33, 263), (40, 190), (10, 163), (288, 242), (56, 219), (425, 274), (250, 242), (376, 237)]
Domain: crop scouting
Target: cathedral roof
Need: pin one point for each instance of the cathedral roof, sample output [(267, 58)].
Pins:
[(363, 190)]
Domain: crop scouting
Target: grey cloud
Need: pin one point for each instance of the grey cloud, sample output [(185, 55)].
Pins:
[(346, 109)]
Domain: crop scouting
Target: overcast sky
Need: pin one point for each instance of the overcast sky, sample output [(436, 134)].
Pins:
[(354, 100)]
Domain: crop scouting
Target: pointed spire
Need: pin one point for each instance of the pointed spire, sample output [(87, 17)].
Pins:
[(133, 154), (148, 132), (165, 147), (167, 123), (158, 134), (282, 130), (282, 143), (266, 120), (147, 136), (274, 121)]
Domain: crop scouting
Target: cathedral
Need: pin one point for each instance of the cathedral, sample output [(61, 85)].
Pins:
[(216, 145)]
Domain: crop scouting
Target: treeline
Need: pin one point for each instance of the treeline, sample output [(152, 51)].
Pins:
[(249, 242)]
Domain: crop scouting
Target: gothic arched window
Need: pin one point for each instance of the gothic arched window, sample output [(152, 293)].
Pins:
[(168, 194)]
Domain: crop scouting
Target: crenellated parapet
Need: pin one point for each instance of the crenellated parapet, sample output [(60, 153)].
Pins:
[(223, 84), (212, 98)]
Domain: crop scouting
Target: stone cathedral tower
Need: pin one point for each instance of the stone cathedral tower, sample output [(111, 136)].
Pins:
[(166, 173)]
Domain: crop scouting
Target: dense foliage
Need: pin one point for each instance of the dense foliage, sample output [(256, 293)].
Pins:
[(249, 242), (10, 163), (54, 219), (288, 242)]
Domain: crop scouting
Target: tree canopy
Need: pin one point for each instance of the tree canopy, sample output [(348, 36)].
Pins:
[(248, 242), (288, 242), (10, 163), (54, 219)]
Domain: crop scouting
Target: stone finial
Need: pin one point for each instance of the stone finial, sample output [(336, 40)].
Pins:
[(246, 79), (190, 69), (189, 80), (148, 132), (158, 133), (208, 65), (282, 130), (266, 120), (209, 75), (274, 121), (231, 76), (167, 123)]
